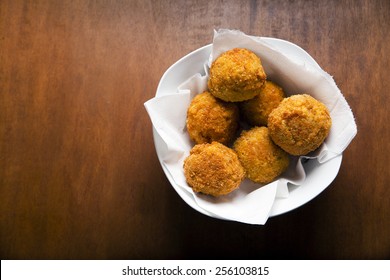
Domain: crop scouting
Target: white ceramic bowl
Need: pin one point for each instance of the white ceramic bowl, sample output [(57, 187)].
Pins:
[(318, 176)]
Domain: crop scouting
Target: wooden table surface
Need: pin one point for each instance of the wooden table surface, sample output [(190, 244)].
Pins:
[(79, 174)]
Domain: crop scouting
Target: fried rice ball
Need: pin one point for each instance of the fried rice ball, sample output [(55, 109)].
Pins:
[(299, 124), (213, 169), (262, 160), (257, 109), (210, 119), (236, 75)]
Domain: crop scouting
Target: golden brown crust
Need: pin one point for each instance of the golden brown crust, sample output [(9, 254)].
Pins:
[(257, 109), (236, 75), (210, 119), (262, 160), (213, 169), (299, 124)]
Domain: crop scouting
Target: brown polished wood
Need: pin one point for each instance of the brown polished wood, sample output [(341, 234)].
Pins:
[(79, 175)]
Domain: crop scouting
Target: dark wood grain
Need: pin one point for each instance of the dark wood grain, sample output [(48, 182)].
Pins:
[(79, 176)]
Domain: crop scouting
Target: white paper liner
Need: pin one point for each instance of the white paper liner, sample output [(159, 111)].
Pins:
[(251, 203)]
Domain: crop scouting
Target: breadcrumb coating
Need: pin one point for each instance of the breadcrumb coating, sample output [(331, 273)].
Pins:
[(299, 124), (210, 119), (257, 109), (262, 160), (213, 169), (236, 75)]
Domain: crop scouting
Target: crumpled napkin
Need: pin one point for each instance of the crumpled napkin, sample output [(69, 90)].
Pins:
[(252, 202)]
